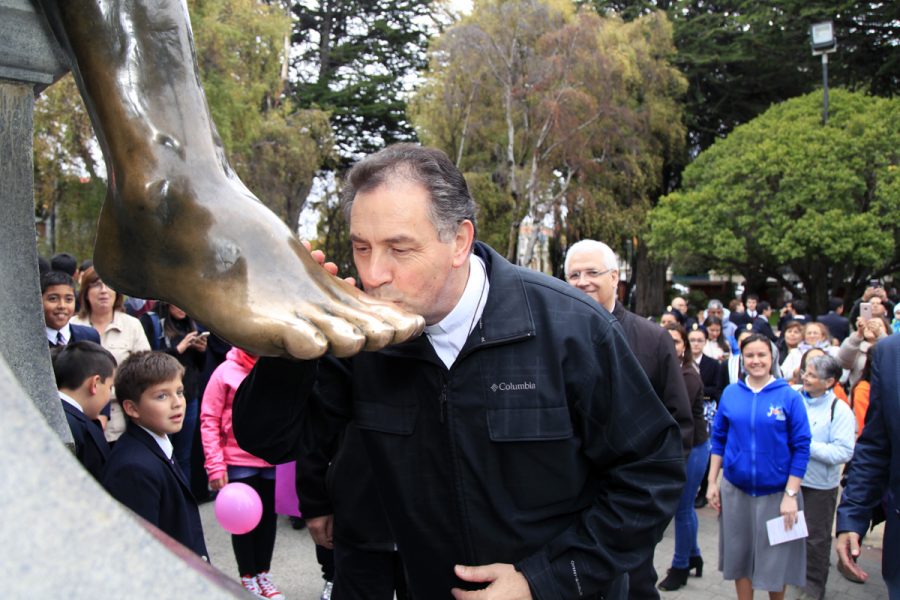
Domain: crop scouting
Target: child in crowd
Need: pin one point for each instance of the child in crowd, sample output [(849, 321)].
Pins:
[(84, 376), (140, 472), (58, 298), (227, 462)]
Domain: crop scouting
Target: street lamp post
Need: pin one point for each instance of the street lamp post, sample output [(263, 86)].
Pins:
[(823, 43)]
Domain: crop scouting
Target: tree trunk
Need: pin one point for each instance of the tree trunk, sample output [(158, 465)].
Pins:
[(650, 279)]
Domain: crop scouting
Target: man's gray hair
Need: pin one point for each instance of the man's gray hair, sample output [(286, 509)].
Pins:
[(825, 366), (451, 203), (715, 304), (610, 260)]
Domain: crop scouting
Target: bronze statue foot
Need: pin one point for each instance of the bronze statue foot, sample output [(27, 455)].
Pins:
[(178, 224)]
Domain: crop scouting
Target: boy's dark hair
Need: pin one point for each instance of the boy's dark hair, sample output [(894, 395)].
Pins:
[(75, 362), (762, 306), (65, 262), (143, 370), (43, 265), (52, 278)]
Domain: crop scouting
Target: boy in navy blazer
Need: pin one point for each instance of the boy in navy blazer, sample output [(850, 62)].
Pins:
[(140, 472), (84, 377), (58, 298)]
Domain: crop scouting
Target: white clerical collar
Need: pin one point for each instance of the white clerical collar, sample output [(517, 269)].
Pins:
[(164, 442), (450, 334), (66, 332), (70, 400)]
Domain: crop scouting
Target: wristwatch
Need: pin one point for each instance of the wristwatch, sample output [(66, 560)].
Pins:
[(790, 492)]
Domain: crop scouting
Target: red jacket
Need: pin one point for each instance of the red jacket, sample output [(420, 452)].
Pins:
[(219, 446)]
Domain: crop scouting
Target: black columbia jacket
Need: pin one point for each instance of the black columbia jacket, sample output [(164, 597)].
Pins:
[(543, 446)]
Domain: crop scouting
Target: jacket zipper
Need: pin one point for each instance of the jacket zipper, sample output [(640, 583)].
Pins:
[(753, 441), (443, 401)]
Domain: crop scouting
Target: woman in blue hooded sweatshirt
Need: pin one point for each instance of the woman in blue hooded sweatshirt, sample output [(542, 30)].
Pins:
[(760, 442)]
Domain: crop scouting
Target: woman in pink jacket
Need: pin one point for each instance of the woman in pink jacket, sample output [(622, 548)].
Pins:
[(227, 462)]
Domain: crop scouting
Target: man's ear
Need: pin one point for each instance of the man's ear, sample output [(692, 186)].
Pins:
[(130, 408), (465, 237)]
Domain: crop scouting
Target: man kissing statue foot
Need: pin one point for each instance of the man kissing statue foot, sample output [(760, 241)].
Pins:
[(177, 223)]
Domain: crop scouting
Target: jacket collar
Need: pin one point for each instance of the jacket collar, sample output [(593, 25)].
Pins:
[(828, 396), (507, 314), (146, 439)]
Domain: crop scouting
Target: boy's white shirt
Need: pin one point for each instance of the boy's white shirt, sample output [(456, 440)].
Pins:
[(66, 332), (70, 400)]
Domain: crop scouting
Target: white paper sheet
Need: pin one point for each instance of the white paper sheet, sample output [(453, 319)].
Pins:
[(779, 535)]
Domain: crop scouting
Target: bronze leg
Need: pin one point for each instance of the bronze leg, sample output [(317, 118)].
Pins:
[(178, 224)]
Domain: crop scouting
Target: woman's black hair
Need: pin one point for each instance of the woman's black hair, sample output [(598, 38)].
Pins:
[(721, 341)]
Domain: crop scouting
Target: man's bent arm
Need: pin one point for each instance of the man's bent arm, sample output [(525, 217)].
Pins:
[(869, 470), (271, 409)]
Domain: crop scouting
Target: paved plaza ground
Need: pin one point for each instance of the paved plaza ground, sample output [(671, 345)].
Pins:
[(299, 577)]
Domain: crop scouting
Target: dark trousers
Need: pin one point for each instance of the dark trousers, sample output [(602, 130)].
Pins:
[(642, 581), (325, 558), (253, 550), (367, 574), (818, 508)]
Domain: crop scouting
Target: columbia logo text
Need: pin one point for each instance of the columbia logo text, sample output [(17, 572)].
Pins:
[(508, 386)]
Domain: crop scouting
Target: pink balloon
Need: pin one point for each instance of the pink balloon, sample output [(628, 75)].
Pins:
[(238, 508)]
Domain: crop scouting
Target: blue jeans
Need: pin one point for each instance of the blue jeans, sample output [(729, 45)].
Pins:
[(685, 516)]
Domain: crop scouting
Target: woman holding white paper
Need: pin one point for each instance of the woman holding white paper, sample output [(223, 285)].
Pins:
[(833, 429), (760, 442)]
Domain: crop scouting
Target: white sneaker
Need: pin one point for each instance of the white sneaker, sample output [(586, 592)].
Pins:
[(267, 588), (326, 591), (251, 586)]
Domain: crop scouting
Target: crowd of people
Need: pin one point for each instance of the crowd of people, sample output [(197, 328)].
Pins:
[(536, 440), (785, 400)]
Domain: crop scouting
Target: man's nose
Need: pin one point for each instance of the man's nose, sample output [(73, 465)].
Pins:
[(378, 270)]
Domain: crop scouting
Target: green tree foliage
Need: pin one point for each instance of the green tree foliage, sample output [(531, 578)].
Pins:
[(741, 57), (355, 59), (66, 170), (784, 194), (275, 148), (554, 107)]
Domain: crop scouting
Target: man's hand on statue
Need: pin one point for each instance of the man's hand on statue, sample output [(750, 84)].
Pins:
[(321, 529), (329, 266), (506, 583)]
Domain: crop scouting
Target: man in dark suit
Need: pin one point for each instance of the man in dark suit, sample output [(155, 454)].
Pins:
[(58, 298), (140, 472), (592, 267), (84, 376), (760, 322), (874, 476), (838, 325)]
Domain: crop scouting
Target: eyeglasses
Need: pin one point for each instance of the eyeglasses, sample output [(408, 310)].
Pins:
[(809, 374), (589, 274)]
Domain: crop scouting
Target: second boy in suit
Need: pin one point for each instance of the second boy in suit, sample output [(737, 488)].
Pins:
[(141, 473), (84, 376)]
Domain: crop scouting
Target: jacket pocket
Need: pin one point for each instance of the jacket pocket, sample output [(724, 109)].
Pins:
[(536, 455), (385, 418), (529, 424)]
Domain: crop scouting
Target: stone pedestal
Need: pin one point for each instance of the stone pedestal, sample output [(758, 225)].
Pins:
[(28, 58)]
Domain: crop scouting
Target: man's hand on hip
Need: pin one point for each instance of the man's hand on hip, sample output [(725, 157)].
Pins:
[(505, 583)]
